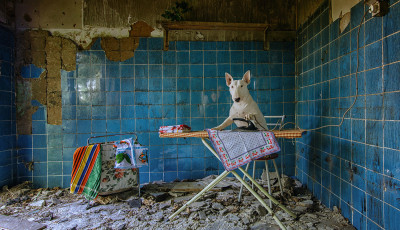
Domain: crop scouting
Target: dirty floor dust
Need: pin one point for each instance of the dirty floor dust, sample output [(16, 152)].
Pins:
[(218, 209)]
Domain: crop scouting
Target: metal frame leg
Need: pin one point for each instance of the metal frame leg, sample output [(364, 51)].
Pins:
[(241, 186), (279, 177), (268, 181), (254, 173), (207, 188), (267, 194), (258, 197)]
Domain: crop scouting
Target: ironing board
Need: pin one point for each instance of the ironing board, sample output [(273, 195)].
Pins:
[(290, 133)]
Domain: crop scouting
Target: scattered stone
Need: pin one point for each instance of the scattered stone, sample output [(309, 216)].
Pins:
[(306, 203), (46, 216), (59, 193), (217, 206), (159, 196), (261, 210), (135, 203), (55, 201), (121, 227), (39, 203), (197, 205), (202, 215), (92, 204)]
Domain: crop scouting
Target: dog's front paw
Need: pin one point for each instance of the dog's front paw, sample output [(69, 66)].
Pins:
[(216, 128)]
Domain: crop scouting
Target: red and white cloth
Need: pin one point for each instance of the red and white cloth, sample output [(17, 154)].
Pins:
[(174, 129), (238, 148)]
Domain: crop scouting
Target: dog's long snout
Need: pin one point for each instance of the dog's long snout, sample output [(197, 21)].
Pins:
[(237, 99)]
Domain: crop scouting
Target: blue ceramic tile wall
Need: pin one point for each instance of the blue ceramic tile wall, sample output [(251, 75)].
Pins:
[(7, 109), (184, 85), (354, 167)]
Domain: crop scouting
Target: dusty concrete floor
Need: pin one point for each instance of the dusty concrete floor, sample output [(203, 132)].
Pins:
[(58, 209)]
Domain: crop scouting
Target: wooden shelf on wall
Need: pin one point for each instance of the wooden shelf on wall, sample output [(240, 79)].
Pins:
[(189, 25)]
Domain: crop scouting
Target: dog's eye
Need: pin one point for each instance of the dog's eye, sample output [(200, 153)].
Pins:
[(232, 86), (241, 86)]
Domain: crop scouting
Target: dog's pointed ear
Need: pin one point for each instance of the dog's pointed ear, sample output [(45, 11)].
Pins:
[(246, 77), (228, 79)]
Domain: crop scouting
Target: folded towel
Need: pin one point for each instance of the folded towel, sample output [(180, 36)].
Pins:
[(238, 148), (174, 129), (86, 171)]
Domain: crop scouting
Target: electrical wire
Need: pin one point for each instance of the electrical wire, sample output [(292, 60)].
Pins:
[(356, 96)]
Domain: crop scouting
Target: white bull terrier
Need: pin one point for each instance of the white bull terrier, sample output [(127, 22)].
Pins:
[(243, 104)]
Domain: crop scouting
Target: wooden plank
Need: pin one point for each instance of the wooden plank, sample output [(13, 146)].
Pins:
[(192, 187), (9, 222), (187, 25)]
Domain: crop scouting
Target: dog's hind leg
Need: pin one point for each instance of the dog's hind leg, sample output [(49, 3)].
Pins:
[(228, 121)]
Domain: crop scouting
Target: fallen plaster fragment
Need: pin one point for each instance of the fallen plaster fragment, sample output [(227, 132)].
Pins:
[(214, 210)]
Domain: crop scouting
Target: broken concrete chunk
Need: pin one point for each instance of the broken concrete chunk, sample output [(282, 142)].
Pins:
[(40, 203), (217, 206), (135, 203), (306, 203)]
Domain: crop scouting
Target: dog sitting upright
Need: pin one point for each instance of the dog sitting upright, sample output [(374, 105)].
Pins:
[(243, 104)]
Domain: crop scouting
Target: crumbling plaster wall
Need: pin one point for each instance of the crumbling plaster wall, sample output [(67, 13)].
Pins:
[(49, 33), (338, 8)]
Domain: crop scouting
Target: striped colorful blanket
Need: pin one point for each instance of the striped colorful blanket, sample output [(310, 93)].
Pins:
[(86, 171)]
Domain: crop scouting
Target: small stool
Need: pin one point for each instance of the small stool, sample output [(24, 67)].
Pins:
[(265, 159)]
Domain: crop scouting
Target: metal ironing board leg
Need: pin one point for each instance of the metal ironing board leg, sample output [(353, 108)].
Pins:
[(207, 188), (257, 185), (268, 181), (241, 186)]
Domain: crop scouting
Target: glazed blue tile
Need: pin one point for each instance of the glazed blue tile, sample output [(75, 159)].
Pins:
[(210, 57), (223, 56), (113, 112), (236, 45), (155, 111), (375, 158), (334, 50), (196, 57), (169, 57), (374, 108), (391, 49), (374, 211), (237, 70), (127, 112), (127, 125), (391, 106), (334, 30), (141, 98), (155, 71), (183, 71), (359, 80), (39, 141), (263, 57), (141, 57), (141, 111), (358, 130), (172, 46), (156, 57), (113, 126), (143, 43), (373, 55), (141, 71), (98, 112), (344, 64), (127, 71), (210, 71), (196, 71), (169, 71), (153, 44), (142, 125), (83, 112), (169, 84), (183, 83), (373, 80), (196, 45), (182, 45), (391, 83), (141, 84), (390, 24), (84, 126), (169, 98), (183, 57), (128, 84), (390, 214), (222, 46), (113, 98), (99, 126), (334, 69), (373, 30), (374, 182)]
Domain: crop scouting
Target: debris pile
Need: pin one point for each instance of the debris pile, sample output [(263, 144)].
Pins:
[(217, 209)]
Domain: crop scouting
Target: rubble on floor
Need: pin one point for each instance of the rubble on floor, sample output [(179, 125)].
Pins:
[(219, 209)]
